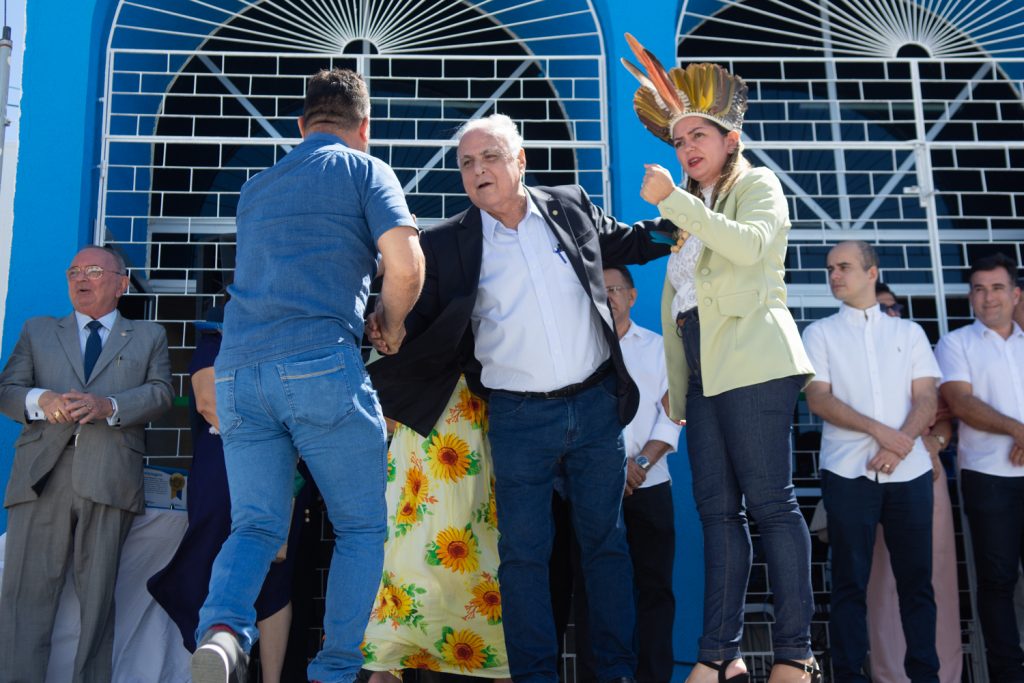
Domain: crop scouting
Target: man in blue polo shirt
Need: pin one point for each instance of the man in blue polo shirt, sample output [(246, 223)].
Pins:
[(290, 378)]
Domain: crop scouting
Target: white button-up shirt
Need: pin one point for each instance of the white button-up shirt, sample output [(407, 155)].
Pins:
[(871, 361), (644, 355), (536, 328), (992, 366)]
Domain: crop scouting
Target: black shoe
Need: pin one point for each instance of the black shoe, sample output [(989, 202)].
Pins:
[(219, 658), (811, 668), (720, 668)]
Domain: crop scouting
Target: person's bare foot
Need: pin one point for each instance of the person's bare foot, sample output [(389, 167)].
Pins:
[(384, 677)]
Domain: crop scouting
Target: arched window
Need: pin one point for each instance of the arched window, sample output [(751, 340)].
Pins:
[(203, 94), (893, 121)]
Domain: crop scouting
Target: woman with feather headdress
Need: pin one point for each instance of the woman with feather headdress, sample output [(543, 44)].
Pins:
[(735, 360)]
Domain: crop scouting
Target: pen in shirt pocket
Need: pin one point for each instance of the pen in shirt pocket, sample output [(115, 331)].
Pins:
[(560, 253)]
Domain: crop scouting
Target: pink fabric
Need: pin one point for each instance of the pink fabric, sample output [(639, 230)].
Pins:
[(888, 646)]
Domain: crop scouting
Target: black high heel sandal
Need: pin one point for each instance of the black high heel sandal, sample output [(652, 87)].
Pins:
[(720, 668), (806, 668)]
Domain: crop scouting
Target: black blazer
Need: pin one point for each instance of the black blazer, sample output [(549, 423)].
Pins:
[(414, 385)]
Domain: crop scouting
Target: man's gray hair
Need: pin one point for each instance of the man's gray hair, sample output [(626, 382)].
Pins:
[(498, 125)]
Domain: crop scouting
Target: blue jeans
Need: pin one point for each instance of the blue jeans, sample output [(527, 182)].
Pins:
[(319, 404), (650, 530), (738, 443), (532, 442), (855, 509), (995, 512)]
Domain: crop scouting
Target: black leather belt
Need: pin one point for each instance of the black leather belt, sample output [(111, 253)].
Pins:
[(602, 371)]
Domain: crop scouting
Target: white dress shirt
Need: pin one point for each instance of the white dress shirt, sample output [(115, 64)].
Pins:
[(32, 409), (536, 328), (993, 366), (644, 355), (871, 361)]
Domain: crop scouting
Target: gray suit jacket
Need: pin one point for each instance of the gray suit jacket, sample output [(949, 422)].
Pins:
[(133, 368)]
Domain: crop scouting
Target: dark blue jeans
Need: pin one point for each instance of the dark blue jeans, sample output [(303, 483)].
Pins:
[(995, 512), (651, 532), (739, 447), (855, 509), (532, 442)]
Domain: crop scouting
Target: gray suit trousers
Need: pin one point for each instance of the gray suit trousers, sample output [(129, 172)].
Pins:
[(33, 577)]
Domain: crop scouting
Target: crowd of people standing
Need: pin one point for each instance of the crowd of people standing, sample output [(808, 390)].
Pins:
[(520, 387)]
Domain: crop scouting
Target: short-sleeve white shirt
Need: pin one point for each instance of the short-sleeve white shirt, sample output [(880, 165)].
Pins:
[(993, 366), (870, 360), (644, 355)]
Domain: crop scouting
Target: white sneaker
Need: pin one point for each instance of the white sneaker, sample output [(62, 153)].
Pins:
[(219, 658)]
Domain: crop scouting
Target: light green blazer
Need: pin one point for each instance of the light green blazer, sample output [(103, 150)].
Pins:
[(747, 334)]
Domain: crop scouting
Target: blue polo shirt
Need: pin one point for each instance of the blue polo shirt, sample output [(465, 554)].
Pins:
[(307, 245)]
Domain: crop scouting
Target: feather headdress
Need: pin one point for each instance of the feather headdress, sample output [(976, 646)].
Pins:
[(705, 90)]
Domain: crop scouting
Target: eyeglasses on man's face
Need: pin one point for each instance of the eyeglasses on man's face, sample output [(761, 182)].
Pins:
[(615, 289), (895, 308), (90, 272)]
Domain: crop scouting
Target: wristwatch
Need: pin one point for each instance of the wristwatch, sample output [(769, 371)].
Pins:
[(642, 462)]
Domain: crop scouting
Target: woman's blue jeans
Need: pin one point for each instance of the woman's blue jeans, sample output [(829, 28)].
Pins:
[(740, 457)]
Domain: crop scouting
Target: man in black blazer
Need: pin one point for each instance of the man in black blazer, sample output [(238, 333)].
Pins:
[(84, 386), (514, 298)]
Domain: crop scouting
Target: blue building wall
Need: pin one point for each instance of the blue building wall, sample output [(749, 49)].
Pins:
[(55, 204)]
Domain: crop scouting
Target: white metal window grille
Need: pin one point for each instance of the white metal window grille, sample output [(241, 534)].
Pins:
[(892, 121), (202, 94)]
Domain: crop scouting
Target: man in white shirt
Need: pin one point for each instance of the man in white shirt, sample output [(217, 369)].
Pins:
[(514, 298), (875, 390), (983, 383), (647, 507)]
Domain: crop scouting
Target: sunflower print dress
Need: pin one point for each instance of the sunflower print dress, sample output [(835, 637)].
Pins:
[(438, 606)]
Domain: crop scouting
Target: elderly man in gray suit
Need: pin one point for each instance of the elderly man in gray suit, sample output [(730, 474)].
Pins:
[(84, 386)]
